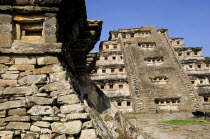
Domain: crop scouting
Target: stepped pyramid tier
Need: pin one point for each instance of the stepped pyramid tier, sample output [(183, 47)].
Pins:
[(158, 73), (45, 61)]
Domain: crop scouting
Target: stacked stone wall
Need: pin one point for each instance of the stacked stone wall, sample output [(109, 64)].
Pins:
[(38, 100)]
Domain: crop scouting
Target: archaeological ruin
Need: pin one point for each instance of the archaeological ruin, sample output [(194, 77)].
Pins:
[(144, 70), (45, 61)]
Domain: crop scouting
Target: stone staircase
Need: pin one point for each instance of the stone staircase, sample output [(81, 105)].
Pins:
[(132, 79), (192, 92)]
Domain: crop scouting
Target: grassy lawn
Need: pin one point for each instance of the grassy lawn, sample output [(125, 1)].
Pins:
[(186, 121)]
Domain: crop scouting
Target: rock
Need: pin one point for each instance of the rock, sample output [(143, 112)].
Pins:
[(25, 61), (7, 137), (41, 110), (13, 72), (42, 124), (36, 118), (22, 74), (22, 67), (61, 92), (35, 128), (74, 108), (10, 76), (33, 79), (18, 125), (17, 118), (4, 59), (2, 133), (39, 100), (30, 136), (70, 128), (19, 90), (45, 131), (3, 68), (5, 19), (48, 69), (19, 111), (47, 60), (7, 82), (57, 86), (57, 76), (68, 99), (47, 136), (87, 125), (12, 104), (50, 118), (61, 137), (90, 133), (78, 116)]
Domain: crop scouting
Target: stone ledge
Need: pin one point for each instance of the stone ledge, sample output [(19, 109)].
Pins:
[(33, 48)]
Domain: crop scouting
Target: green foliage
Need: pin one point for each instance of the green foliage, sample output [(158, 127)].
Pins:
[(207, 58), (186, 121)]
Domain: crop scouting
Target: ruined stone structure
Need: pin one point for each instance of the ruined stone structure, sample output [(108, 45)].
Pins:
[(160, 73), (45, 61)]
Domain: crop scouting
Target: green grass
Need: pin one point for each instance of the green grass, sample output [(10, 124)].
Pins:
[(185, 121)]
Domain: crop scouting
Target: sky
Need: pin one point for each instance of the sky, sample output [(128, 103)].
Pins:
[(189, 19)]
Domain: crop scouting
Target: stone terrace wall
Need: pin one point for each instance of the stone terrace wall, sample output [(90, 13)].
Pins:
[(38, 100)]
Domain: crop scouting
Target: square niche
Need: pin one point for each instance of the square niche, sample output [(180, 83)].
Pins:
[(29, 28)]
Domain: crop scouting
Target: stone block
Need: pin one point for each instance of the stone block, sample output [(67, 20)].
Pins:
[(87, 125), (61, 92), (12, 104), (22, 67), (13, 72), (5, 40), (33, 79), (10, 76), (5, 19), (3, 68), (69, 128), (30, 136), (5, 28), (78, 116), (17, 118), (19, 90), (68, 99), (5, 59), (35, 128), (74, 108), (90, 133), (47, 60), (18, 125), (25, 61), (22, 74), (19, 111), (50, 38), (46, 131), (47, 136), (63, 85), (51, 119), (48, 69), (41, 110), (39, 100), (61, 137), (42, 124), (58, 76), (7, 82)]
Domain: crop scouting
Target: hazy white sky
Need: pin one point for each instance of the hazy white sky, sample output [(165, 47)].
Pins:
[(184, 18)]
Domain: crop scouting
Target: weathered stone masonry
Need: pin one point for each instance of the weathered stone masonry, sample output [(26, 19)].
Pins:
[(162, 74), (45, 89)]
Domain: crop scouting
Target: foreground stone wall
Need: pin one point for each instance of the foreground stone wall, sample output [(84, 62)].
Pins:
[(38, 100)]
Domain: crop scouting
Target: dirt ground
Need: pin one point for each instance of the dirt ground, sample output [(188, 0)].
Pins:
[(151, 127)]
